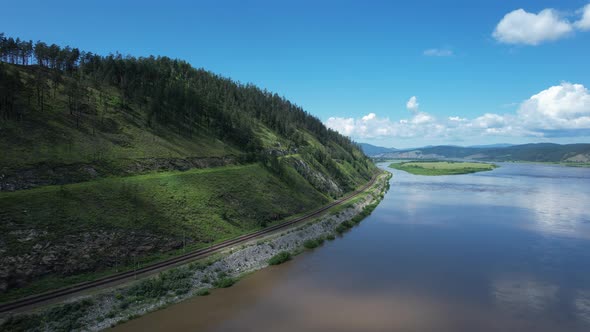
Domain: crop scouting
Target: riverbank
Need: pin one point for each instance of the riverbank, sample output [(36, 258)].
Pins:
[(111, 307), (442, 167)]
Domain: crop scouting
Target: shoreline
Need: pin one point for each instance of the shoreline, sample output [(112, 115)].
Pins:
[(114, 306)]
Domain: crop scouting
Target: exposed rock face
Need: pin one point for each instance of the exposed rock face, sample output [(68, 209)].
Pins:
[(45, 174), (177, 164), (321, 182), (90, 251), (579, 158)]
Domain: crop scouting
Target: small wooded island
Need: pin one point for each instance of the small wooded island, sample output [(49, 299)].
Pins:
[(441, 167)]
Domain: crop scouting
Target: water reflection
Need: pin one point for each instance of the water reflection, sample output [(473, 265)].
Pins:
[(522, 294), (556, 195), (582, 305)]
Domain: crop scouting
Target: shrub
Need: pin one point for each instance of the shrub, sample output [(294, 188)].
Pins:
[(203, 292), (197, 266), (176, 280), (313, 243), (343, 227), (279, 258), (22, 323), (224, 282)]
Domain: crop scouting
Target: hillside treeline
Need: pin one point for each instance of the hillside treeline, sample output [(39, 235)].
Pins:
[(170, 91)]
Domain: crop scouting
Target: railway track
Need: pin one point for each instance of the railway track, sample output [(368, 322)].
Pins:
[(118, 277)]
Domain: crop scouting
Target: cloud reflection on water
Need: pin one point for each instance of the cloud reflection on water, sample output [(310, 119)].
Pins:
[(559, 204), (582, 305), (524, 295)]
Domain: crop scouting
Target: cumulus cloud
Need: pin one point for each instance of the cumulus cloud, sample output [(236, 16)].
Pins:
[(558, 111), (371, 126), (565, 106), (438, 52), (584, 23), (521, 27), (412, 104), (345, 126)]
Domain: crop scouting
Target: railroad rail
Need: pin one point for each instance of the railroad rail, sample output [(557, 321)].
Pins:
[(174, 261)]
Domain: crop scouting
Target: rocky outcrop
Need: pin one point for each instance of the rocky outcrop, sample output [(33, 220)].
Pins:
[(318, 180), (74, 254), (579, 158), (177, 164), (48, 174)]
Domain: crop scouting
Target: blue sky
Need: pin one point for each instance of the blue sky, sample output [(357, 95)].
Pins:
[(356, 64)]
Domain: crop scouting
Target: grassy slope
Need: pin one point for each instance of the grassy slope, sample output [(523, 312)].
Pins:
[(204, 206), (442, 167), (204, 202)]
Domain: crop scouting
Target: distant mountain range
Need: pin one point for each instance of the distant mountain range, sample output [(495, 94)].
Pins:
[(372, 150), (540, 152)]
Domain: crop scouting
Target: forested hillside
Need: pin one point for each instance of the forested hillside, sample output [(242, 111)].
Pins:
[(110, 160)]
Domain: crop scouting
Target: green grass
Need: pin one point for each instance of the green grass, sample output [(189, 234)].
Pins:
[(206, 204), (279, 258), (441, 167)]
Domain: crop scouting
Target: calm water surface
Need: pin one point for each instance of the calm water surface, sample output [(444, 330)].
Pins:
[(506, 250)]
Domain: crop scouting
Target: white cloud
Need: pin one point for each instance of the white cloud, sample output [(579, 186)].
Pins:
[(489, 120), (584, 23), (345, 126), (565, 106), (521, 27), (413, 104), (558, 111), (438, 52), (457, 119), (372, 126), (422, 118)]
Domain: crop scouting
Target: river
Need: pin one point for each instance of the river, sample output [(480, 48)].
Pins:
[(505, 250)]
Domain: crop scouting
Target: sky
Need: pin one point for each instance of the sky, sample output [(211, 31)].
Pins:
[(395, 74)]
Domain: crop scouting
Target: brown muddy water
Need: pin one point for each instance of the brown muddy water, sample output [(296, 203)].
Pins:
[(506, 250)]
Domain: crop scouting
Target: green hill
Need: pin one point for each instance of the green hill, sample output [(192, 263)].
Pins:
[(108, 161)]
